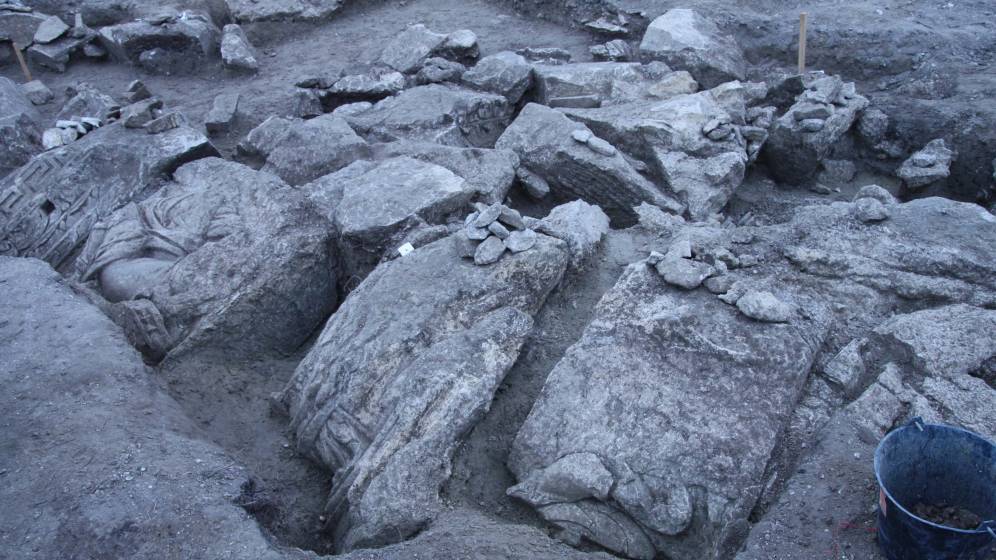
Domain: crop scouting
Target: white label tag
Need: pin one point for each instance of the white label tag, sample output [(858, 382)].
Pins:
[(405, 249)]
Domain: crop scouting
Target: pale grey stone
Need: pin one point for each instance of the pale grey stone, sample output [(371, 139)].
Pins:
[(687, 41), (765, 307), (489, 251)]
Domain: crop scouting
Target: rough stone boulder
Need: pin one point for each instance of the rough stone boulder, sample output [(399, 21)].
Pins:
[(409, 50), (299, 151), (19, 26), (491, 172), (20, 135), (403, 370), (252, 11), (938, 364), (666, 413), (224, 256), (237, 53), (48, 207), (687, 41), (549, 145), (98, 459), (504, 73), (462, 534), (808, 132), (444, 114), (927, 167), (593, 84), (373, 204), (693, 143), (177, 45)]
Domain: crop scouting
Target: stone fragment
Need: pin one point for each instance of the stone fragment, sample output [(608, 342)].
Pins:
[(51, 207), (685, 40), (616, 50), (176, 47), (301, 151), (535, 186), (38, 92), (475, 233), (437, 70), (512, 218), (254, 11), (684, 273), (51, 29), (594, 82), (876, 192), (521, 240), (498, 230), (237, 53), (928, 166), (543, 139), (765, 307), (837, 171), (307, 103), (409, 50), (870, 210), (491, 172), (224, 257), (578, 224), (165, 123), (460, 46), (440, 113), (137, 115), (389, 391), (371, 86), (20, 133), (223, 114), (137, 91), (546, 55), (488, 216), (489, 251), (87, 101), (504, 73), (19, 26), (56, 55)]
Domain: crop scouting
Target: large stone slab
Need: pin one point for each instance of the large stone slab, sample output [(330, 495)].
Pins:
[(593, 84), (545, 141), (407, 51), (692, 142), (373, 204), (20, 134), (403, 370), (687, 41), (48, 207), (98, 460), (300, 151), (225, 257), (444, 114), (652, 434)]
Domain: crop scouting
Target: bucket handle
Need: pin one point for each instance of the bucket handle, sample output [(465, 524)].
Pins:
[(990, 527), (918, 422)]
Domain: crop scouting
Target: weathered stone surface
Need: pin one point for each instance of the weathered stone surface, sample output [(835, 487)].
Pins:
[(237, 53), (687, 41), (405, 367), (37, 92), (616, 50), (491, 172), (251, 11), (565, 85), (578, 224), (439, 113), (106, 408), (19, 127), (409, 50), (765, 307), (178, 45), (302, 151), (51, 204), (681, 399), (51, 29), (437, 70), (463, 534), (19, 27), (372, 203), (670, 136), (504, 73), (928, 166), (88, 101), (139, 114), (223, 113), (683, 272), (372, 86), (225, 257), (489, 251), (795, 149), (542, 137)]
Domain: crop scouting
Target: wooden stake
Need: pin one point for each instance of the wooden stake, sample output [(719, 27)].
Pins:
[(20, 59), (802, 43)]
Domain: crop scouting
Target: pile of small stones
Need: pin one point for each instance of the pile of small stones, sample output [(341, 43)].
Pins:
[(492, 230), (67, 131)]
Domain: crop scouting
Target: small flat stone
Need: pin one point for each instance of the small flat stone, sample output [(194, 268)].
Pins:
[(601, 147), (812, 125), (534, 185), (223, 114), (870, 210), (684, 273), (465, 246), (164, 123), (137, 92), (512, 218), (500, 231), (719, 284), (519, 241), (37, 92), (476, 233), (489, 251), (581, 135), (764, 307), (51, 29), (139, 114), (488, 215)]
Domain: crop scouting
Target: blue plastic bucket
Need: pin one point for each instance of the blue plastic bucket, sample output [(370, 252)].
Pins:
[(934, 464)]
